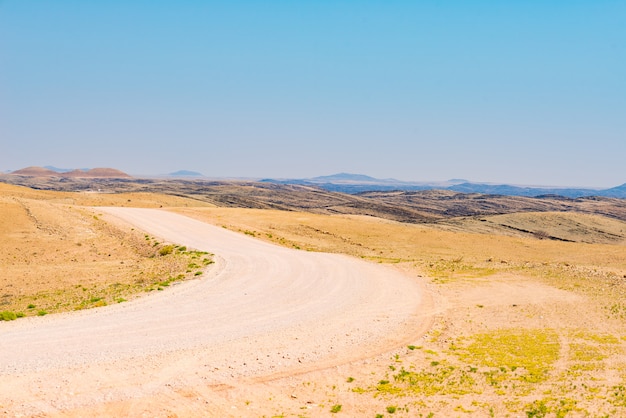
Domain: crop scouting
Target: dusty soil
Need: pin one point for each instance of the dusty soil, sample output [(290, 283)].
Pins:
[(521, 324), (57, 255), (501, 303)]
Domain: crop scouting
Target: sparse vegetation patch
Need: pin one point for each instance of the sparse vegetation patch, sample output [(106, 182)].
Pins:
[(99, 265), (519, 354)]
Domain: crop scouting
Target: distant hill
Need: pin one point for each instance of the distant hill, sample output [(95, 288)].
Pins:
[(79, 173), (359, 183), (347, 177), (619, 191), (185, 173), (35, 172), (507, 190), (98, 173)]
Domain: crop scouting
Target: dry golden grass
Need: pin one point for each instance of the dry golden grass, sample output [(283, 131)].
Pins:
[(58, 256), (138, 200), (423, 245), (563, 226)]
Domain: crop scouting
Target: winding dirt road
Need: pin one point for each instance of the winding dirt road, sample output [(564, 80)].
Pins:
[(261, 311)]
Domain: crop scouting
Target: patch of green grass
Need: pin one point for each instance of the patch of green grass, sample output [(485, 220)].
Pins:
[(530, 354), (549, 406), (617, 396), (335, 408), (440, 378), (588, 352), (8, 316), (598, 338), (585, 352), (81, 297), (616, 310)]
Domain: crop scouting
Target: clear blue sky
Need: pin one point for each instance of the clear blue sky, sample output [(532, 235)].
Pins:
[(524, 92)]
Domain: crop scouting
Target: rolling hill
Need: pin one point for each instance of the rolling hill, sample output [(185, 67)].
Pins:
[(426, 206), (358, 183), (77, 173)]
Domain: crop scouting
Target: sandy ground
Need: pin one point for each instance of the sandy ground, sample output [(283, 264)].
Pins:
[(261, 312)]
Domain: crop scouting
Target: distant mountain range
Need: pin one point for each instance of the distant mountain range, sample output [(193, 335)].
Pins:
[(354, 183), (358, 183)]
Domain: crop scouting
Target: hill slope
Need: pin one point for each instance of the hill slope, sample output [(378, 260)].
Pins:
[(35, 172)]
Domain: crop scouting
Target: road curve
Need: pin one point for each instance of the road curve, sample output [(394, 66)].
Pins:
[(261, 310)]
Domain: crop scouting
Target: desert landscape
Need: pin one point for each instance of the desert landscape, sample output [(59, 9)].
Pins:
[(312, 209), (176, 298)]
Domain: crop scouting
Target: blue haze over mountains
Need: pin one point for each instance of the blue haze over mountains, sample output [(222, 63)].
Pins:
[(358, 183)]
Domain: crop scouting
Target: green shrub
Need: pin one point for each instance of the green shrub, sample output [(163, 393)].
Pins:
[(168, 249), (7, 316), (335, 409)]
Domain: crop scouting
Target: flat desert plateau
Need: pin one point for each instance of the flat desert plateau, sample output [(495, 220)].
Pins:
[(146, 304)]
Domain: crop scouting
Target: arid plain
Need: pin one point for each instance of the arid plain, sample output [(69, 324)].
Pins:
[(523, 313)]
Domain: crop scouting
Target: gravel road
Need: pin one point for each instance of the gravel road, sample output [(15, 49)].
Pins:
[(260, 311)]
